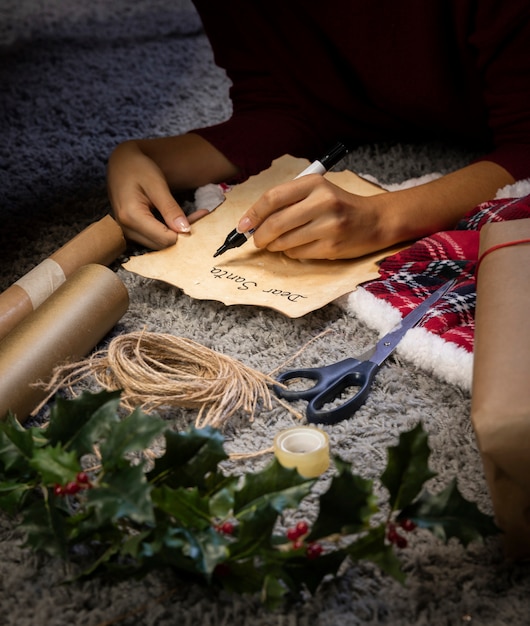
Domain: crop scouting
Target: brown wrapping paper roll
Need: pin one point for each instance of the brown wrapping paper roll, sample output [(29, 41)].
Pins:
[(500, 407), (64, 328), (102, 242)]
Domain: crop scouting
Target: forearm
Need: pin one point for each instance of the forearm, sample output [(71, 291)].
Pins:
[(438, 205), (187, 161)]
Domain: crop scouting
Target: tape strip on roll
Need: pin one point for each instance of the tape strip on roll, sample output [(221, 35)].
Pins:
[(40, 282), (305, 448)]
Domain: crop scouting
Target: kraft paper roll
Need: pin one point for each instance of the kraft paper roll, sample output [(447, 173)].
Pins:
[(102, 243), (304, 447), (64, 328)]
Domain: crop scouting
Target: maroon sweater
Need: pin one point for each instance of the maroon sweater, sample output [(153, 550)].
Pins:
[(306, 73)]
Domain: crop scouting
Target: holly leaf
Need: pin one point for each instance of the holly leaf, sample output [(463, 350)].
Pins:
[(16, 446), (198, 552), (96, 428), (222, 501), (21, 437), (346, 506), (275, 486), (309, 573), (55, 465), (12, 494), (213, 550), (132, 434), (372, 547), (132, 546), (189, 457), (103, 560), (244, 576), (80, 422), (124, 494), (187, 506), (255, 530), (448, 514), (45, 528), (273, 592), (407, 467)]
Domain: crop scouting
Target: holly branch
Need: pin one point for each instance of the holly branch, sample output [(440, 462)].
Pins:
[(85, 491)]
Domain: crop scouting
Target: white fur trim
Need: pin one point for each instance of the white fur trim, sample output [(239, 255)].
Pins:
[(209, 197), (424, 349), (517, 190)]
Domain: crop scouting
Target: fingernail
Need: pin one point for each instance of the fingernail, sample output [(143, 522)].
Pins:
[(244, 225), (182, 224)]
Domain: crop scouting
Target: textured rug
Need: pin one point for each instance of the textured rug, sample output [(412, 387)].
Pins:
[(76, 79)]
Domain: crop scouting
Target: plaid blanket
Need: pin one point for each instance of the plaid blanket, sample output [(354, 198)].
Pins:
[(408, 277)]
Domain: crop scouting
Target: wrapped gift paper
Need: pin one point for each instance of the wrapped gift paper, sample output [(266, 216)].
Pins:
[(247, 275), (64, 328), (501, 376), (101, 242)]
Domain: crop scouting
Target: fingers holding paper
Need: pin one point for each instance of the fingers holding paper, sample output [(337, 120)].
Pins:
[(141, 175), (137, 186), (311, 218)]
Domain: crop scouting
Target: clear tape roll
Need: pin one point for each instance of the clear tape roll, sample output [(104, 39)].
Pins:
[(305, 448)]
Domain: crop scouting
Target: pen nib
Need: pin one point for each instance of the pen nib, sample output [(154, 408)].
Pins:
[(220, 251)]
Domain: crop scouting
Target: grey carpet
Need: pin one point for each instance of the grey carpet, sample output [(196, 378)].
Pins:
[(76, 78)]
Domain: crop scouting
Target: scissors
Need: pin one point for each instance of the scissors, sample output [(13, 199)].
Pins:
[(333, 380)]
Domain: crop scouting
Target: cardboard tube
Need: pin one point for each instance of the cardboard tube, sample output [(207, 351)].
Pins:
[(304, 447), (64, 328), (102, 242)]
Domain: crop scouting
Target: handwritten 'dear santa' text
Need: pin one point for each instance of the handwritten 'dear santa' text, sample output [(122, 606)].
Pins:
[(243, 284)]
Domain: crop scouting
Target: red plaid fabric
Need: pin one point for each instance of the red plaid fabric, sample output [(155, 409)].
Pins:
[(408, 277)]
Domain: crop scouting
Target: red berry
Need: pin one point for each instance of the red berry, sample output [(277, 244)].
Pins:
[(292, 534), (83, 478), (227, 528), (222, 570), (71, 488), (392, 533), (302, 528), (394, 537), (314, 550), (58, 490), (408, 525), (297, 544)]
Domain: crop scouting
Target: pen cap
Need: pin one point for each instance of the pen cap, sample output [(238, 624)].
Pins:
[(334, 155)]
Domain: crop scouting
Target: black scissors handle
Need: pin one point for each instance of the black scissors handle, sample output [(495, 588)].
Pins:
[(330, 382)]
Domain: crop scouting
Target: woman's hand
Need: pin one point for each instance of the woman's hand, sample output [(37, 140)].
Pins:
[(141, 174), (137, 186), (311, 218)]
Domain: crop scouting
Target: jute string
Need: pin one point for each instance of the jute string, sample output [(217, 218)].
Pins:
[(154, 370)]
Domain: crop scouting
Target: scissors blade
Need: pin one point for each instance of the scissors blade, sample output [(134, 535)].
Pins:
[(387, 344)]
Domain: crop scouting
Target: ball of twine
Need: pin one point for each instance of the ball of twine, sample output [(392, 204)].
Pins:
[(154, 370)]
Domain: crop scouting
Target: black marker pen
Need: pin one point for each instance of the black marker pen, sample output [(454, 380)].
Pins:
[(320, 166)]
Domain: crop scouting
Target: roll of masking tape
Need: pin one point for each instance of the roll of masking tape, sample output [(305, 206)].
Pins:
[(304, 447)]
